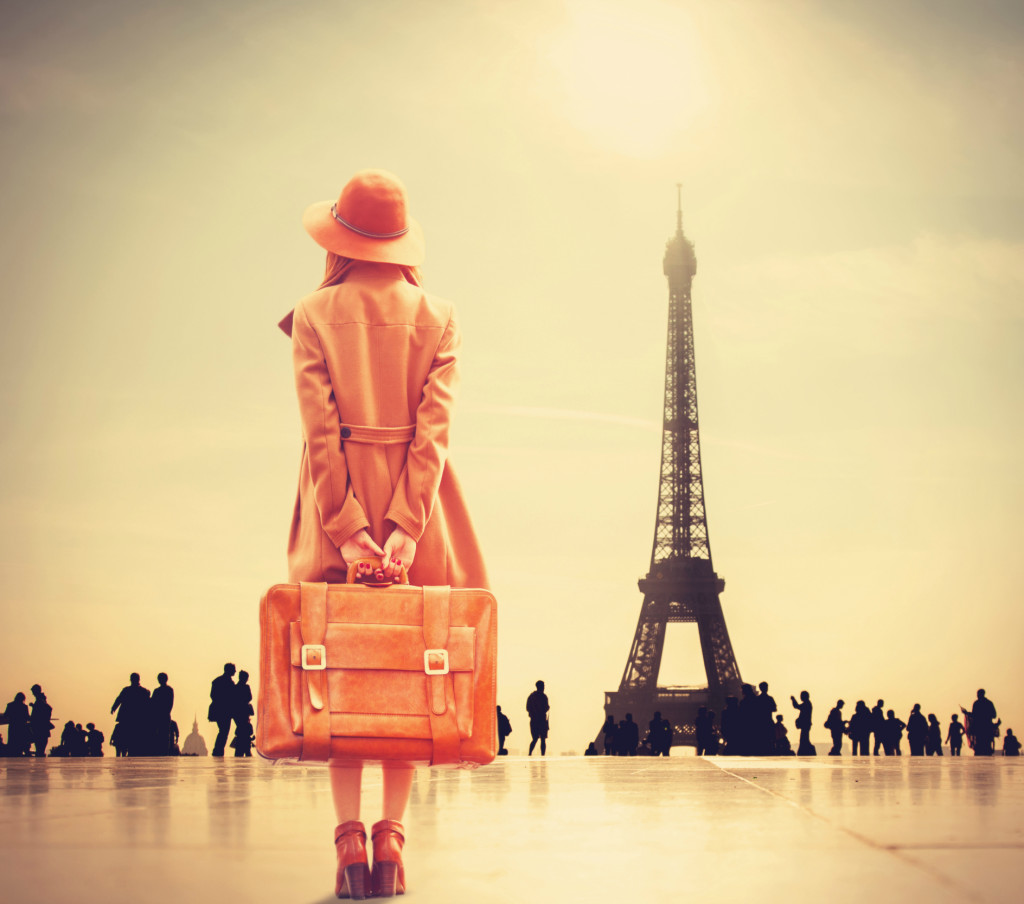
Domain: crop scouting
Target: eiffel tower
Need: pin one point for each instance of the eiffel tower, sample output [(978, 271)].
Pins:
[(681, 584)]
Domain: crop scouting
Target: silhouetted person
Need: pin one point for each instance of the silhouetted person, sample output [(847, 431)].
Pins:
[(591, 750), (933, 743), (704, 730), (1011, 746), (782, 745), (160, 706), (39, 722), (174, 751), (504, 730), (537, 707), (836, 724), (628, 734), (983, 717), (955, 736), (893, 734), (917, 731), (19, 726), (132, 706), (68, 740), (748, 721), (93, 740), (803, 722), (878, 727), (243, 705), (766, 708), (860, 729), (608, 731), (730, 727), (223, 704), (660, 733)]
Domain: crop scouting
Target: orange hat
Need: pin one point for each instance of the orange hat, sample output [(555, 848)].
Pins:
[(368, 222)]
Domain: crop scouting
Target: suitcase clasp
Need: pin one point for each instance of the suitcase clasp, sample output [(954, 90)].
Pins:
[(314, 657), (430, 669)]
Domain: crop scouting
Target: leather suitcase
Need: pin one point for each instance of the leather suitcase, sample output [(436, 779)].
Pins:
[(376, 674)]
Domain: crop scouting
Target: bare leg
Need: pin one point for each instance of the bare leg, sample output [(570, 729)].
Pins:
[(346, 784), (397, 788)]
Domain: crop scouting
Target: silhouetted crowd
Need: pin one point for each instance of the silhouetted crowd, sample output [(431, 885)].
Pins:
[(144, 725), (751, 726)]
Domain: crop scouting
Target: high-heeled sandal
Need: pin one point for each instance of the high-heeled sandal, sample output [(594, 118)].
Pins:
[(353, 869), (388, 877)]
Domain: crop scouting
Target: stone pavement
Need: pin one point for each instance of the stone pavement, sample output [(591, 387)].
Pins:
[(149, 831)]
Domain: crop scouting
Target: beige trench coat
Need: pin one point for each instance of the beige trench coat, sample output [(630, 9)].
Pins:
[(376, 373)]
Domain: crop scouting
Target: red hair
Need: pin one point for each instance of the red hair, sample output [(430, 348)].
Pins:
[(338, 268)]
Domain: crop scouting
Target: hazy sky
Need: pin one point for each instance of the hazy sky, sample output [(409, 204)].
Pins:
[(852, 182)]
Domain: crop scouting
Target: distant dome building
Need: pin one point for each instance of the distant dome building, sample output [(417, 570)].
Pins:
[(194, 744)]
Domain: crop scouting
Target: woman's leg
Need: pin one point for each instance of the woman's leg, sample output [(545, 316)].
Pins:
[(397, 788), (346, 784)]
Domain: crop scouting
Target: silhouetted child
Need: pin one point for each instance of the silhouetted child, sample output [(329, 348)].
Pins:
[(591, 749), (955, 736), (1011, 746), (244, 738), (504, 730), (782, 745)]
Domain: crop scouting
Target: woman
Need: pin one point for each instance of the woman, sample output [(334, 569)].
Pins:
[(860, 728), (376, 370)]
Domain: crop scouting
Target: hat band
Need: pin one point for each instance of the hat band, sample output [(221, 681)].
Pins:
[(363, 232)]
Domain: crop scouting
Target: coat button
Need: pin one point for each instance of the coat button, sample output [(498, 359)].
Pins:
[(345, 433)]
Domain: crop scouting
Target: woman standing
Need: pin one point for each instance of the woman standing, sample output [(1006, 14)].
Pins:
[(376, 372)]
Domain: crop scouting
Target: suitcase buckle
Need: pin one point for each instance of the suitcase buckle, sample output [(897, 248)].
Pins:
[(314, 657), (441, 669)]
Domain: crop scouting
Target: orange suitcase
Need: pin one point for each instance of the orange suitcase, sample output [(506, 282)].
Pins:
[(375, 674)]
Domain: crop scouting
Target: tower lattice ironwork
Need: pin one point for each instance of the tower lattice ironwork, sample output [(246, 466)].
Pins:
[(681, 584)]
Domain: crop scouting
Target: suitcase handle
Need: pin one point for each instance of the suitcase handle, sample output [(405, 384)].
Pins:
[(366, 571)]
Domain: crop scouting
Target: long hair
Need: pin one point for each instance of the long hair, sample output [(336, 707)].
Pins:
[(338, 268)]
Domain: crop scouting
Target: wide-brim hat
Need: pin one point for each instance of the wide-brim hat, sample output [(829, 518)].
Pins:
[(369, 222)]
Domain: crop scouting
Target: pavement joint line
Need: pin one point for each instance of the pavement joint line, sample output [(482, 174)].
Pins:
[(900, 852)]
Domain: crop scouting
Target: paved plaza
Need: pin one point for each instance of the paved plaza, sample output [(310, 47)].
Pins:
[(148, 831)]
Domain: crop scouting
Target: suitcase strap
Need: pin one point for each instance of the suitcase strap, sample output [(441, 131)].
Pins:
[(316, 710), (444, 728)]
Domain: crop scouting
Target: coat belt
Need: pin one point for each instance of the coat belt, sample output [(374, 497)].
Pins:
[(384, 436)]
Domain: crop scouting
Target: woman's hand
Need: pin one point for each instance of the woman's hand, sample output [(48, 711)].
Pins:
[(360, 546), (399, 551)]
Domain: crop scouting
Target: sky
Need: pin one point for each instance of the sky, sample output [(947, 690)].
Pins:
[(851, 181)]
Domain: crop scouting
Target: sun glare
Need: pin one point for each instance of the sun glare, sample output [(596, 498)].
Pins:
[(628, 74)]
